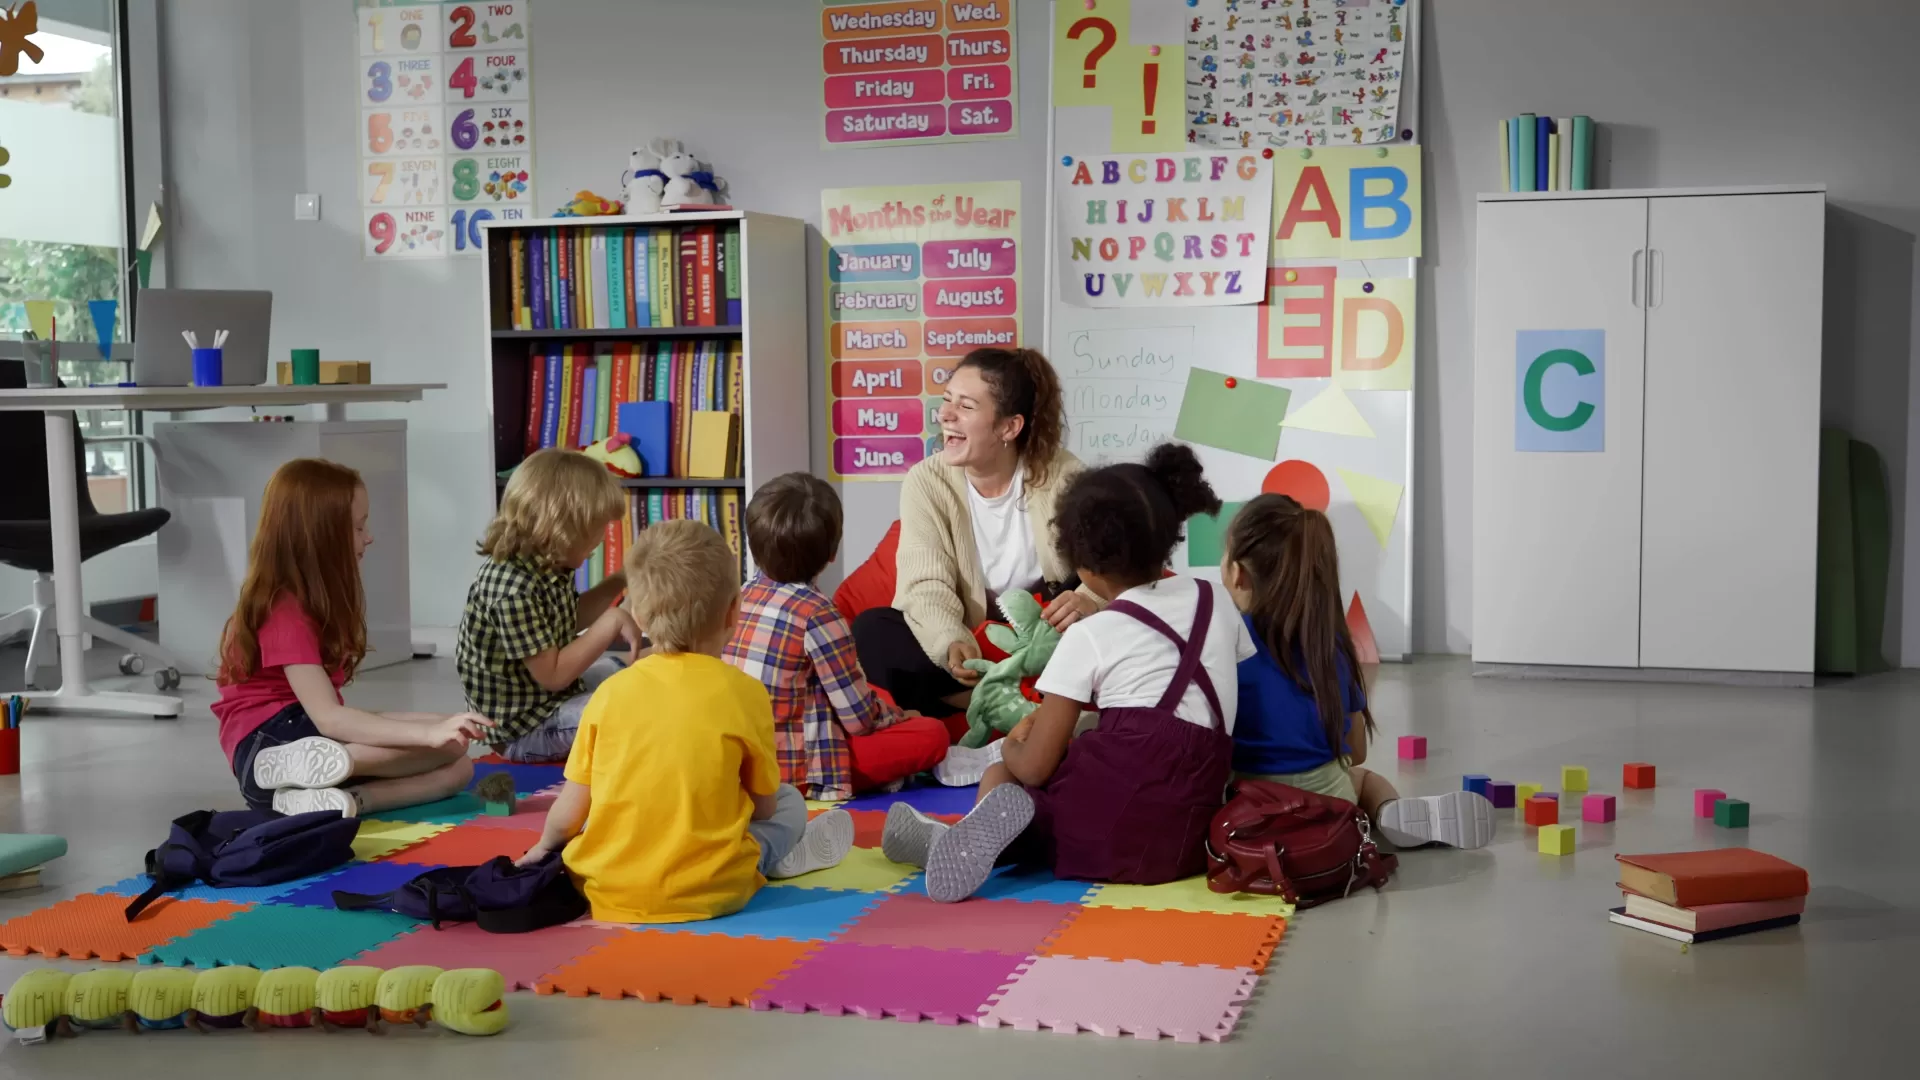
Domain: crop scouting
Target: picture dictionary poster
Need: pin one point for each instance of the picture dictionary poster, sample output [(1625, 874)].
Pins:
[(1287, 73), (445, 124), (917, 277), (916, 71)]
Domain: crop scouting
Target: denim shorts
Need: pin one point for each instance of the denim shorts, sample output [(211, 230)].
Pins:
[(290, 724)]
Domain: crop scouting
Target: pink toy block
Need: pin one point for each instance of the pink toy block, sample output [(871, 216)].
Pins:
[(1637, 774), (1703, 800), (1596, 808), (1413, 747)]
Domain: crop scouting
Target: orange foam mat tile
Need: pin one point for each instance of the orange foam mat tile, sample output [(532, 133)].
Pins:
[(465, 845), (96, 926), (652, 965), (1162, 937)]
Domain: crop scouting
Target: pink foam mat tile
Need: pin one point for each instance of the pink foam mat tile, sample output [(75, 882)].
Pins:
[(876, 981), (521, 959), (911, 920), (1125, 997)]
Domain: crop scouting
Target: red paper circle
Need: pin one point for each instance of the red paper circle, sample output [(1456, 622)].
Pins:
[(1305, 483)]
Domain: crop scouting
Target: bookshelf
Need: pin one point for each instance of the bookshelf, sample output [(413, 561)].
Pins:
[(765, 350)]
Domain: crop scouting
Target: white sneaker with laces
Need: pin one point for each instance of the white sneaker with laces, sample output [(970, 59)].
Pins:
[(312, 762), (825, 842), (307, 800)]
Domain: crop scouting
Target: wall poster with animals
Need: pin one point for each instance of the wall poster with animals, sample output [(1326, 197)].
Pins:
[(445, 123), (1296, 73)]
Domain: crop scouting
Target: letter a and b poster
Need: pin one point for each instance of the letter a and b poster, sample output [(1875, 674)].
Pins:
[(917, 277)]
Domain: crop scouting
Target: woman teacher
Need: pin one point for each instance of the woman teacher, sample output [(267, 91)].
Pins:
[(976, 520)]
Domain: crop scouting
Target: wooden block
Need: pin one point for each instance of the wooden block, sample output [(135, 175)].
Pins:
[(27, 879), (1413, 747), (1523, 792), (1501, 794), (1573, 778), (1556, 840), (1730, 813), (1542, 810), (1637, 775), (1703, 800), (332, 373), (1596, 808), (1475, 783)]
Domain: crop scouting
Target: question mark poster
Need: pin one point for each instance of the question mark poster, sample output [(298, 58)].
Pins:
[(903, 72), (1096, 62), (445, 131)]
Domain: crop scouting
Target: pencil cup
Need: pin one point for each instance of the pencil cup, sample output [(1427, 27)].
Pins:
[(9, 751), (306, 367), (206, 367)]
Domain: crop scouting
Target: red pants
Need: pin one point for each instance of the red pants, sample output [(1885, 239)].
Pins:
[(913, 745)]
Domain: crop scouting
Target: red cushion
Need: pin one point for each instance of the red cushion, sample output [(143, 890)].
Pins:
[(871, 585)]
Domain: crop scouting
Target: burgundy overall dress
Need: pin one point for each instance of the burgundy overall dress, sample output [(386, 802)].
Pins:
[(1132, 799)]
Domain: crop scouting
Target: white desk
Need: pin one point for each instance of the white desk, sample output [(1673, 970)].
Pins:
[(59, 405)]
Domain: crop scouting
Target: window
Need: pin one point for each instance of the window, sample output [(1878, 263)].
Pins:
[(64, 214)]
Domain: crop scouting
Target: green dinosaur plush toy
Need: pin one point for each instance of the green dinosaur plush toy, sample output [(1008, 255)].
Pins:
[(998, 701)]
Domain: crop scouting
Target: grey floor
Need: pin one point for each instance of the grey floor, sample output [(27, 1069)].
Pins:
[(1469, 964)]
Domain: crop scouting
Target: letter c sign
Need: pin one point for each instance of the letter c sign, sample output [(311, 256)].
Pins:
[(1560, 391)]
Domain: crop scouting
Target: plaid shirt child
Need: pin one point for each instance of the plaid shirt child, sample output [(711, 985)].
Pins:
[(515, 609), (794, 641)]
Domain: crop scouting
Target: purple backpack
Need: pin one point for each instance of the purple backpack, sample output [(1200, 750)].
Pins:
[(497, 895), (240, 848)]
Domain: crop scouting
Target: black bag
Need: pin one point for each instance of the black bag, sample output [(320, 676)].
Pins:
[(241, 848), (499, 896)]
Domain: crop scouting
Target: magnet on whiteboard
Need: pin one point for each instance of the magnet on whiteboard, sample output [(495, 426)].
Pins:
[(1367, 287), (1153, 50), (1066, 161), (1267, 153), (1305, 154), (1407, 134), (1380, 151), (1292, 276), (1232, 382), (1089, 5)]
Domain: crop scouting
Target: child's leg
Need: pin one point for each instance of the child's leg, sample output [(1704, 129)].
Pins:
[(443, 781), (1373, 791), (553, 740), (911, 746), (996, 774), (389, 778), (791, 845), (778, 834)]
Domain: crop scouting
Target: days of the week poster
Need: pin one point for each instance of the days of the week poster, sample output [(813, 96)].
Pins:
[(917, 71)]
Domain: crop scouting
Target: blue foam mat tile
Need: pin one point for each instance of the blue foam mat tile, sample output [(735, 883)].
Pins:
[(927, 800), (282, 935), (527, 779), (359, 877), (1022, 883), (137, 884), (795, 914), (448, 811)]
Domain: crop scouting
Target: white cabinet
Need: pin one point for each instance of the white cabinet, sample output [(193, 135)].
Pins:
[(1646, 429)]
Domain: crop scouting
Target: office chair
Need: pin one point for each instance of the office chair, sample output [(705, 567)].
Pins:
[(26, 539)]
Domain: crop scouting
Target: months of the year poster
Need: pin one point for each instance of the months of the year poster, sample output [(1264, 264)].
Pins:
[(445, 95)]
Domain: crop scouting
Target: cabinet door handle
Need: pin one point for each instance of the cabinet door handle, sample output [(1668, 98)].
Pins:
[(1656, 278), (1636, 277)]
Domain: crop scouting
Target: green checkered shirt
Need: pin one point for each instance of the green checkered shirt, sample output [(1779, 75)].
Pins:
[(515, 609)]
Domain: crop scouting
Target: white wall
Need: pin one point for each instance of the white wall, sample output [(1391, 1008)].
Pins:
[(260, 105)]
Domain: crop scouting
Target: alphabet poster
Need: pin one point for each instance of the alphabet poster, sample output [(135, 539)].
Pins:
[(445, 124), (1295, 73), (917, 277), (916, 71), (1167, 230), (1347, 203)]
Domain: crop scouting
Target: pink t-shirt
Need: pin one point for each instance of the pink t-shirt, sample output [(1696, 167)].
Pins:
[(287, 637)]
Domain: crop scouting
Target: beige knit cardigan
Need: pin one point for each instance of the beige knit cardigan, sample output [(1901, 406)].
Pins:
[(939, 584)]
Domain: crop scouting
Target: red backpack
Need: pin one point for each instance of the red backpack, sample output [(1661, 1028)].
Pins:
[(1278, 840)]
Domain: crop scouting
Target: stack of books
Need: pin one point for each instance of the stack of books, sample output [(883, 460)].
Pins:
[(1540, 153), (627, 277), (1693, 896)]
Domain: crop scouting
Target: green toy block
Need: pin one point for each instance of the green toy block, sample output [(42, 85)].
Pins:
[(499, 809), (1556, 839), (1573, 778), (1730, 813)]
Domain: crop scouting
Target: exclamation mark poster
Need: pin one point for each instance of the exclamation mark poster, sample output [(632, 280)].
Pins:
[(1095, 62)]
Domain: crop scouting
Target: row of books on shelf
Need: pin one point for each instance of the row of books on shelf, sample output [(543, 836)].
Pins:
[(718, 507), (582, 277), (575, 393), (1696, 896), (1540, 153)]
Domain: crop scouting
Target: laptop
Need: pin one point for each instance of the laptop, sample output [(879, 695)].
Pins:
[(160, 353)]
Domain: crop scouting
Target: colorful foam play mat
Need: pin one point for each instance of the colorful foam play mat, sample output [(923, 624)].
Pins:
[(1030, 951)]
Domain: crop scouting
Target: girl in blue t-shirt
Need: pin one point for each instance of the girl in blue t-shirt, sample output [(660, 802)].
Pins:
[(1303, 717)]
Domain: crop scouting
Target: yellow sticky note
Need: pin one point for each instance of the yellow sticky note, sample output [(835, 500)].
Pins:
[(40, 318), (1347, 202), (1377, 500), (1333, 412), (1094, 63), (1373, 349)]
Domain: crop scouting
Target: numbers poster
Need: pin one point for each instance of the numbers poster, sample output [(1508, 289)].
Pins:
[(916, 71), (445, 124), (917, 277)]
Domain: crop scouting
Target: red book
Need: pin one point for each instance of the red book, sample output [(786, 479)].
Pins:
[(615, 550), (628, 251), (689, 277), (536, 393), (565, 319), (1692, 879), (622, 368), (703, 235), (570, 439)]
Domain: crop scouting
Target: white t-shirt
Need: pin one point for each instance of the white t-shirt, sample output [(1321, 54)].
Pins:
[(1111, 659), (1004, 538)]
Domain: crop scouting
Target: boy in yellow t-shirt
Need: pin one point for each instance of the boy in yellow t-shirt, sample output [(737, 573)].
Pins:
[(675, 758)]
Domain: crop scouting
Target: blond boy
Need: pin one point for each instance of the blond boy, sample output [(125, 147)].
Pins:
[(675, 758), (531, 650)]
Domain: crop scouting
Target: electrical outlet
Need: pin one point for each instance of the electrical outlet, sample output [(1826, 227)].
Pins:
[(306, 207)]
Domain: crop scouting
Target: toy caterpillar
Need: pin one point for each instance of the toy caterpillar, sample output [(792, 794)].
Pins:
[(466, 1000)]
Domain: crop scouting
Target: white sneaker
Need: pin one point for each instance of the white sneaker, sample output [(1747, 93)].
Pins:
[(825, 842), (307, 800), (908, 835), (965, 765), (312, 762), (962, 858), (1462, 819)]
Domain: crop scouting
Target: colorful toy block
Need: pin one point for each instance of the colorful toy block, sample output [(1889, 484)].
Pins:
[(1556, 840), (1637, 775), (1500, 793), (1596, 808), (1730, 813), (1543, 811), (1523, 792), (1703, 800), (1413, 747), (1475, 783), (1573, 778)]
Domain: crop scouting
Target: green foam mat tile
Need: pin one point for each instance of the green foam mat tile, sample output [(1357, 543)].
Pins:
[(278, 935), (448, 811)]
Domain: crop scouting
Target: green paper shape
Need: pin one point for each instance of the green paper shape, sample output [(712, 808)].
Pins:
[(1207, 536), (1244, 418), (143, 261), (1730, 813)]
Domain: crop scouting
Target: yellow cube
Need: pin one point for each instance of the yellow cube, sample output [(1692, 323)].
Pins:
[(1556, 839), (1523, 792), (1573, 778)]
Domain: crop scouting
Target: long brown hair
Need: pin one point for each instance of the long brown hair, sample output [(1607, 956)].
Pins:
[(1024, 385), (303, 549), (1288, 555)]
